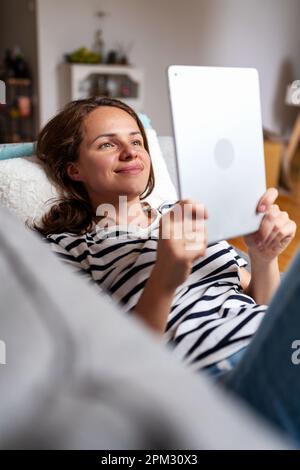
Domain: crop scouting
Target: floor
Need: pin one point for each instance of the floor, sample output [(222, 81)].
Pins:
[(288, 201)]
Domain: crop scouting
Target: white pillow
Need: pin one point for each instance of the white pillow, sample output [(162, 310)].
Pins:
[(26, 190), (164, 189)]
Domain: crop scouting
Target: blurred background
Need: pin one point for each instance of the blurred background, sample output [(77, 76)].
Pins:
[(152, 35), (52, 51)]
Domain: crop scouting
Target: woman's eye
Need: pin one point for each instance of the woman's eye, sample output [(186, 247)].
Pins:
[(137, 142), (105, 145)]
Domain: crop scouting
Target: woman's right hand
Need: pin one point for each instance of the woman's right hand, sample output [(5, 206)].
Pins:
[(182, 240)]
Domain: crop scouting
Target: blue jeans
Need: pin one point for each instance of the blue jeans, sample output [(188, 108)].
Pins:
[(220, 370), (267, 376)]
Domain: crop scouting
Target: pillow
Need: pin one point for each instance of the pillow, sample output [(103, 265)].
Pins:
[(26, 190), (164, 189)]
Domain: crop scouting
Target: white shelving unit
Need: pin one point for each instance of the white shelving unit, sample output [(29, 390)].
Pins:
[(122, 82)]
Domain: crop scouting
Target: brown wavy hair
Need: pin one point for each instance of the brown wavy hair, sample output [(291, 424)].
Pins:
[(58, 144)]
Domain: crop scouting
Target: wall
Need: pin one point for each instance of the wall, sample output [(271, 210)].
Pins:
[(154, 30), (260, 33)]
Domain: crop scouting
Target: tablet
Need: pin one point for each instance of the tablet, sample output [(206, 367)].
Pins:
[(218, 136)]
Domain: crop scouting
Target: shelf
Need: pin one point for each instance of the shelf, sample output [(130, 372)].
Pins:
[(18, 82), (123, 82), (17, 116)]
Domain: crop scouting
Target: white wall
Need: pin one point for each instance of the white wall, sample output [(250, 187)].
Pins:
[(259, 33)]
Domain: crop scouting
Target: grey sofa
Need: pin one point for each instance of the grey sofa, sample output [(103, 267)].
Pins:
[(79, 374)]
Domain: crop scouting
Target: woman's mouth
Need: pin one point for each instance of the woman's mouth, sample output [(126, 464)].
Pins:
[(131, 170)]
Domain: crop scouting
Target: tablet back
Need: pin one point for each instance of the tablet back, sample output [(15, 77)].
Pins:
[(219, 144)]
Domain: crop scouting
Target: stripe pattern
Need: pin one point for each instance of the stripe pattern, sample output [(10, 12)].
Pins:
[(210, 318)]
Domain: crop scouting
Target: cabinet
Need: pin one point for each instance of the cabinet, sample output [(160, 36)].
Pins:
[(16, 116), (116, 81)]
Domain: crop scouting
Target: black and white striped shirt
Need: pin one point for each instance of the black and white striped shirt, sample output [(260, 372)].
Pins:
[(210, 318)]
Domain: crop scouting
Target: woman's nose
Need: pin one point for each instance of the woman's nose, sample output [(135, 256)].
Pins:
[(128, 153)]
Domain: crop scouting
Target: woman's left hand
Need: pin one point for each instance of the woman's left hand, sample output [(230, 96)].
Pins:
[(275, 232)]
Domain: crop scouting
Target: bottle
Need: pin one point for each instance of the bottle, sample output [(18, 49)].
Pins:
[(20, 66), (8, 64), (98, 46)]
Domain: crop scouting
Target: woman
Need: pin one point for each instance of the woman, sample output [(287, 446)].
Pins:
[(199, 297)]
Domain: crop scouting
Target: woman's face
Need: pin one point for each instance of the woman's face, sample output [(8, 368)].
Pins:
[(112, 158)]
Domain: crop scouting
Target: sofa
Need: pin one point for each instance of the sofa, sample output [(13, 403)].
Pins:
[(79, 374)]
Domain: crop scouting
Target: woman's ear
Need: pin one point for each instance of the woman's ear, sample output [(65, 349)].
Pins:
[(73, 172)]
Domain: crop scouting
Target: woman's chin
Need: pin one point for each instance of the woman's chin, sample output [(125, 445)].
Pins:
[(132, 192)]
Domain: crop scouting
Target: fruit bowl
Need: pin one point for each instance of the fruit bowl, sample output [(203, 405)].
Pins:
[(83, 56)]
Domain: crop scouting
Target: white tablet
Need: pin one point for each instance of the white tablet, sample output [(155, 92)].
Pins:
[(219, 144)]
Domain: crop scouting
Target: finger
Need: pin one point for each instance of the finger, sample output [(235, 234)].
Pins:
[(190, 202), (193, 217), (198, 211), (197, 247), (272, 237), (181, 219), (282, 221), (195, 209), (281, 244), (285, 236), (282, 240), (194, 206), (195, 235), (267, 225), (267, 200), (264, 232), (272, 218), (168, 228)]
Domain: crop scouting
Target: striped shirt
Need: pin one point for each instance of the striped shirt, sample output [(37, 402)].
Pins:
[(210, 317)]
